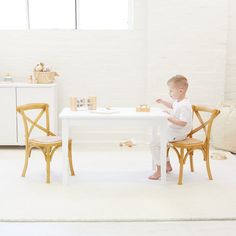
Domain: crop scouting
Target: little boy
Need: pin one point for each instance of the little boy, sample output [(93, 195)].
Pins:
[(180, 120)]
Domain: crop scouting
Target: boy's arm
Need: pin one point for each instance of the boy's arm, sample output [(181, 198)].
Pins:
[(165, 103), (175, 121)]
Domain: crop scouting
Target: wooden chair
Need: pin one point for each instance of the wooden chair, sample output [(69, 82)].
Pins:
[(48, 143), (186, 147)]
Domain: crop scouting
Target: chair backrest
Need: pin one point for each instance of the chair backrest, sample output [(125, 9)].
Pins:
[(30, 124), (205, 125)]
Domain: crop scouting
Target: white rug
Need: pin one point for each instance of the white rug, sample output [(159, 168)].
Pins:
[(111, 185)]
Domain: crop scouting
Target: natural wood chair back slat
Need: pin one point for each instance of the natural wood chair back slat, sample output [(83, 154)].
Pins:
[(190, 144), (46, 144), (30, 124), (205, 125)]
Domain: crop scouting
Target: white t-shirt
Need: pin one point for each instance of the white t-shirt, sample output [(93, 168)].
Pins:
[(183, 111)]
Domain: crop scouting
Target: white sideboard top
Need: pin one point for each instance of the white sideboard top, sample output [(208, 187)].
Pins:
[(24, 85)]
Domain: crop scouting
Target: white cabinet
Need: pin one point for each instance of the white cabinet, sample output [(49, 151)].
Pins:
[(8, 131), (16, 94)]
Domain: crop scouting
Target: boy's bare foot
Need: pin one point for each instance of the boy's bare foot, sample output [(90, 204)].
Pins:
[(168, 167), (155, 176)]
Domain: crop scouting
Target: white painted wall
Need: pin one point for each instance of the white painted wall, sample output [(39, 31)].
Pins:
[(195, 38)]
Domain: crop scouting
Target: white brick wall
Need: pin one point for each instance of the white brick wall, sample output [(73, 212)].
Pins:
[(230, 88), (189, 38), (102, 63), (127, 68)]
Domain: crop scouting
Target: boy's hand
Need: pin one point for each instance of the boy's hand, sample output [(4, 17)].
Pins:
[(165, 103), (166, 111), (159, 100)]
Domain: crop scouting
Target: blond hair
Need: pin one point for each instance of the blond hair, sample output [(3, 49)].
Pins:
[(178, 81)]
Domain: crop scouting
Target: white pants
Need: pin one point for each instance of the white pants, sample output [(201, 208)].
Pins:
[(155, 146)]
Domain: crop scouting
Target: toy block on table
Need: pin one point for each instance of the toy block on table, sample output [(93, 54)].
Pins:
[(143, 108)]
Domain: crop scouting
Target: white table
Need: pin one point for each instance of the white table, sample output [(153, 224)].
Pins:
[(156, 119)]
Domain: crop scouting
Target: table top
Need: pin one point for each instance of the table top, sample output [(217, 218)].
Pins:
[(24, 85), (113, 113)]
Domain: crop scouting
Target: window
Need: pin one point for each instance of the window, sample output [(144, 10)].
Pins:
[(103, 14), (52, 14), (13, 14), (65, 14)]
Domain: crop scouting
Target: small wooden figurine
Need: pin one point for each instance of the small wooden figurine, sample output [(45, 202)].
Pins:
[(128, 143)]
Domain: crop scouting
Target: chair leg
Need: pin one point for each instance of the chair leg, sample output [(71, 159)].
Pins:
[(206, 157), (70, 157), (167, 151), (48, 160), (27, 151), (181, 165), (30, 152), (191, 161)]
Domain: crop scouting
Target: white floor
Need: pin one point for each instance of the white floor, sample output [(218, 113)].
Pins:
[(193, 228), (117, 168)]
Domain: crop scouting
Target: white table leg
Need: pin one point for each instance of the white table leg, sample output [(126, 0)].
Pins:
[(65, 164), (163, 142), (154, 140)]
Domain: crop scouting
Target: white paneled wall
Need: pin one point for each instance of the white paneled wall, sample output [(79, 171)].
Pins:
[(196, 38)]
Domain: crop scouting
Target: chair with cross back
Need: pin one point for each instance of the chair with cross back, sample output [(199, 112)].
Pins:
[(48, 143), (185, 148)]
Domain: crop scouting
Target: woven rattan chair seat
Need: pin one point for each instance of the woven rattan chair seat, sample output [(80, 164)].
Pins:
[(188, 142), (47, 140)]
